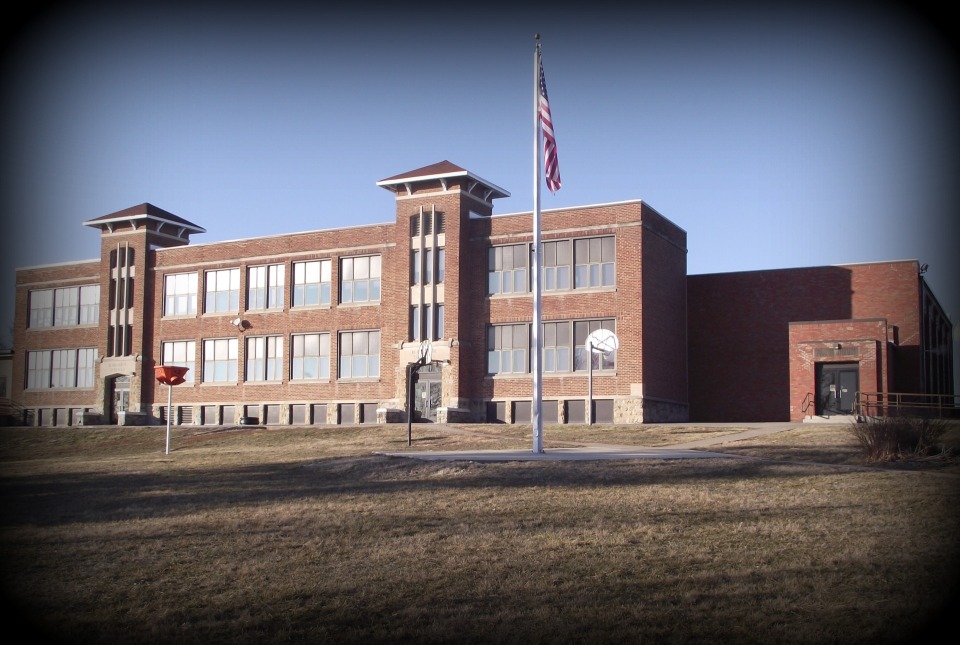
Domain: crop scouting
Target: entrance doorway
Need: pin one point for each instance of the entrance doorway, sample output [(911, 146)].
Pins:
[(427, 393), (837, 386), (118, 397)]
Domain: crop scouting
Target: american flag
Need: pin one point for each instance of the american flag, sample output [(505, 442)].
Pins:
[(550, 164)]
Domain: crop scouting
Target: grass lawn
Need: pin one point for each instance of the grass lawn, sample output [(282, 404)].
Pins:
[(287, 534)]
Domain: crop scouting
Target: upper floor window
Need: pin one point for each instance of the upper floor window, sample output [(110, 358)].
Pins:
[(311, 357), (360, 279), (557, 265), (595, 262), (507, 268), (264, 358), (507, 349), (41, 308), (557, 348), (222, 291), (359, 354), (220, 360), (65, 306), (181, 353), (265, 287), (311, 283), (180, 294)]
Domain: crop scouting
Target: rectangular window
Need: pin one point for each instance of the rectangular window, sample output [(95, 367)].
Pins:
[(360, 279), (415, 268), (86, 366), (428, 319), (90, 304), (595, 262), (38, 369), (582, 329), (507, 268), (507, 349), (311, 283), (428, 266), (64, 372), (66, 306), (440, 321), (220, 360), (359, 354), (181, 353), (41, 308), (441, 264), (311, 357), (557, 348), (265, 358), (557, 265), (415, 323), (265, 287), (222, 291), (180, 294)]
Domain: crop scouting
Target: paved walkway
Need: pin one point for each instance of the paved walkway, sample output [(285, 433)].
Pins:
[(596, 452)]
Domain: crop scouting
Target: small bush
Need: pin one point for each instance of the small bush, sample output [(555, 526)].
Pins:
[(892, 438)]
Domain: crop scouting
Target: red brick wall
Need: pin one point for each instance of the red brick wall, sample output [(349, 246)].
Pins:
[(738, 330)]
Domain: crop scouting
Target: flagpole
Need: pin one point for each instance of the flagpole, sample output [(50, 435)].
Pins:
[(535, 264)]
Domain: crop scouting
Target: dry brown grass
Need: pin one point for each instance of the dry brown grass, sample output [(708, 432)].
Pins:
[(307, 535)]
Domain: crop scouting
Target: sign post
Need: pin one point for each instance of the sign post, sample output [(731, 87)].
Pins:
[(170, 375)]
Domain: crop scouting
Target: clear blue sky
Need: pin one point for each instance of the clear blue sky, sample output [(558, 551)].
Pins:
[(776, 134)]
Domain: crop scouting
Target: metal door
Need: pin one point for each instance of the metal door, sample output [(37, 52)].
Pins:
[(119, 397), (837, 386)]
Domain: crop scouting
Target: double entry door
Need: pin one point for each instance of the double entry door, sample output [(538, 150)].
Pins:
[(837, 386)]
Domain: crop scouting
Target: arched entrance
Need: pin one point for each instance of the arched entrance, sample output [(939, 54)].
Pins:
[(427, 393), (118, 397)]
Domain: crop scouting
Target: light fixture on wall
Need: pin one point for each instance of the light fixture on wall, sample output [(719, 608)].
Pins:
[(240, 323), (923, 268)]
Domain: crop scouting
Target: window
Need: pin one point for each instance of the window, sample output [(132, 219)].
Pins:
[(360, 279), (220, 360), (557, 261), (428, 266), (38, 369), (359, 354), (181, 353), (415, 268), (66, 307), (595, 262), (64, 373), (440, 321), (507, 347), (311, 357), (61, 368), (265, 358), (180, 294), (90, 304), (556, 347), (41, 308), (582, 329), (222, 291), (86, 366), (311, 283), (265, 287), (441, 264), (507, 268), (415, 323)]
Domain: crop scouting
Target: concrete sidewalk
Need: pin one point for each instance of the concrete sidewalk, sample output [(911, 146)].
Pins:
[(597, 452)]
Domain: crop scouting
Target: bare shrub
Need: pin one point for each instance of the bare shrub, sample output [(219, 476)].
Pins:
[(899, 437)]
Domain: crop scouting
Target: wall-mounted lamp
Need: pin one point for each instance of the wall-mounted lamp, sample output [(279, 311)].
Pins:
[(240, 323), (838, 347), (923, 268)]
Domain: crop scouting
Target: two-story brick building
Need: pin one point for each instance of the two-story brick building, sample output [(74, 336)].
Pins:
[(320, 326)]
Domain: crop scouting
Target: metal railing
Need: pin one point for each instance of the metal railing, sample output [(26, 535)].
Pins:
[(809, 401), (885, 404)]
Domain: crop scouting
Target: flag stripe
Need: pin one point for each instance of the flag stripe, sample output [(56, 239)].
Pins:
[(550, 164)]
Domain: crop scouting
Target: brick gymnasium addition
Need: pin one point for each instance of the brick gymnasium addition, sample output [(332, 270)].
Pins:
[(320, 327)]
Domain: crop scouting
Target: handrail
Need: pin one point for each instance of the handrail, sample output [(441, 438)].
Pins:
[(808, 401), (881, 404)]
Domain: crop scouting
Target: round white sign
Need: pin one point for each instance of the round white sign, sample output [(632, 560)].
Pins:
[(602, 341)]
